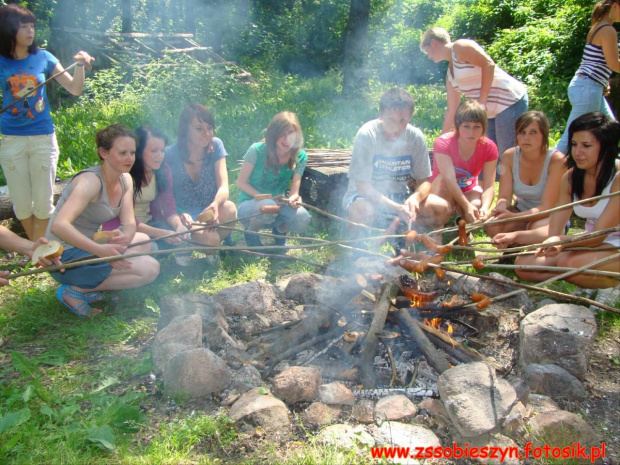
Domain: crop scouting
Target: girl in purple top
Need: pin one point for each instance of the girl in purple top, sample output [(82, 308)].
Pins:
[(29, 151), (154, 205), (199, 176)]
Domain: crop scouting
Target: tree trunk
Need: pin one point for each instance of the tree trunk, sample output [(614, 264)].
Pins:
[(356, 41), (126, 16)]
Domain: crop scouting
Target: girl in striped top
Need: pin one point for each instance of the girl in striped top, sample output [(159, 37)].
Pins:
[(473, 73), (590, 84)]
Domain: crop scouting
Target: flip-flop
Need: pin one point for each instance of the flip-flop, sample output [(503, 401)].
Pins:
[(83, 309)]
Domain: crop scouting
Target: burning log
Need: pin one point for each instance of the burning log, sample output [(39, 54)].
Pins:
[(381, 308), (433, 356)]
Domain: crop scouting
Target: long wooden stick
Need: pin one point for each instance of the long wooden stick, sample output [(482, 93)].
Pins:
[(380, 310), (478, 225), (537, 287), (37, 87), (611, 274)]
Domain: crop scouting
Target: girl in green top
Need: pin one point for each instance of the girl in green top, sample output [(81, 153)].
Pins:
[(272, 167)]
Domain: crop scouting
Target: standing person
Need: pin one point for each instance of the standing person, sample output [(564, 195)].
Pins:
[(199, 177), (94, 196), (531, 172), (272, 167), (29, 151), (590, 84), (154, 205), (387, 153), (592, 171), (458, 158), (473, 73)]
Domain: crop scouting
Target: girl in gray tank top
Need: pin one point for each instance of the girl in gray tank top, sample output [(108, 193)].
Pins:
[(96, 195), (531, 173)]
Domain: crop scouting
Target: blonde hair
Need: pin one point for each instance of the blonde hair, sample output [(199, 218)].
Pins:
[(470, 111), (437, 33), (278, 127)]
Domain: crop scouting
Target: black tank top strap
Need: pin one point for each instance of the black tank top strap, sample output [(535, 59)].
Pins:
[(598, 29)]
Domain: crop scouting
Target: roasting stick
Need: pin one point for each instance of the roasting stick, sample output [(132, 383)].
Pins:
[(537, 287), (611, 274), (202, 248), (37, 87), (477, 225)]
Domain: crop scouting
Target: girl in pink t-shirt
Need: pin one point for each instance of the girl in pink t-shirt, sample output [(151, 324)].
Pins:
[(458, 158)]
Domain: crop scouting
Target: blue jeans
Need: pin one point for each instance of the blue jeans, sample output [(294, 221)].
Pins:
[(585, 95), (297, 220), (501, 129)]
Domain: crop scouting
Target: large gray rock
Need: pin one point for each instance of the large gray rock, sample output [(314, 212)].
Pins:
[(309, 288), (319, 414), (394, 433), (297, 384), (336, 394), (255, 297), (364, 411), (174, 305), (553, 381), (245, 378), (559, 334), (346, 436), (394, 407), (505, 448), (537, 403), (196, 373), (476, 400), (181, 334), (560, 429), (259, 408)]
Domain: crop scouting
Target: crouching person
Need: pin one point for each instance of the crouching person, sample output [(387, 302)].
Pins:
[(269, 169), (94, 196), (387, 153)]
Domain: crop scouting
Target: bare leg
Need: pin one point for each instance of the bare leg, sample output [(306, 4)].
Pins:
[(571, 260), (28, 227), (228, 212), (39, 226)]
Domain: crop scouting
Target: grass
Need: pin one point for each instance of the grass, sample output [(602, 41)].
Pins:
[(80, 391)]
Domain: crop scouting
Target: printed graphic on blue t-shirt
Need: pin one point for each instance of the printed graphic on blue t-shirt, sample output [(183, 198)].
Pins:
[(464, 178), (395, 169), (27, 109)]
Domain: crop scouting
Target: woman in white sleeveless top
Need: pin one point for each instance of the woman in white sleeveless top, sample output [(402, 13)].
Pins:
[(593, 171), (531, 172)]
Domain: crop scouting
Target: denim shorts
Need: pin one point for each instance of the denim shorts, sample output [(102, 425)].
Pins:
[(85, 277)]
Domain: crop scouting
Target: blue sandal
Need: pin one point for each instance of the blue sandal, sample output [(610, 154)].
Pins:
[(82, 310), (94, 296)]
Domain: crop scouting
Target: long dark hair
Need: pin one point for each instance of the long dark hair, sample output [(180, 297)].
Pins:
[(137, 170), (194, 110), (12, 16), (607, 133)]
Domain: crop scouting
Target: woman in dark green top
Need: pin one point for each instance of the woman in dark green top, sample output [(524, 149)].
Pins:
[(273, 167)]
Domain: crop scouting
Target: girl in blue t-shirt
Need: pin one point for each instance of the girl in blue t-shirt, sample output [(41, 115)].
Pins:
[(29, 151)]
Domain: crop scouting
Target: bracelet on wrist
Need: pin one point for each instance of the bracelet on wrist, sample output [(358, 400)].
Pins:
[(80, 65)]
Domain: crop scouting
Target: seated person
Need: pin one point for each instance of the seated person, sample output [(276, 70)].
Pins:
[(272, 167), (592, 171), (11, 241), (458, 159), (531, 172), (199, 177), (154, 205), (387, 153), (94, 196)]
